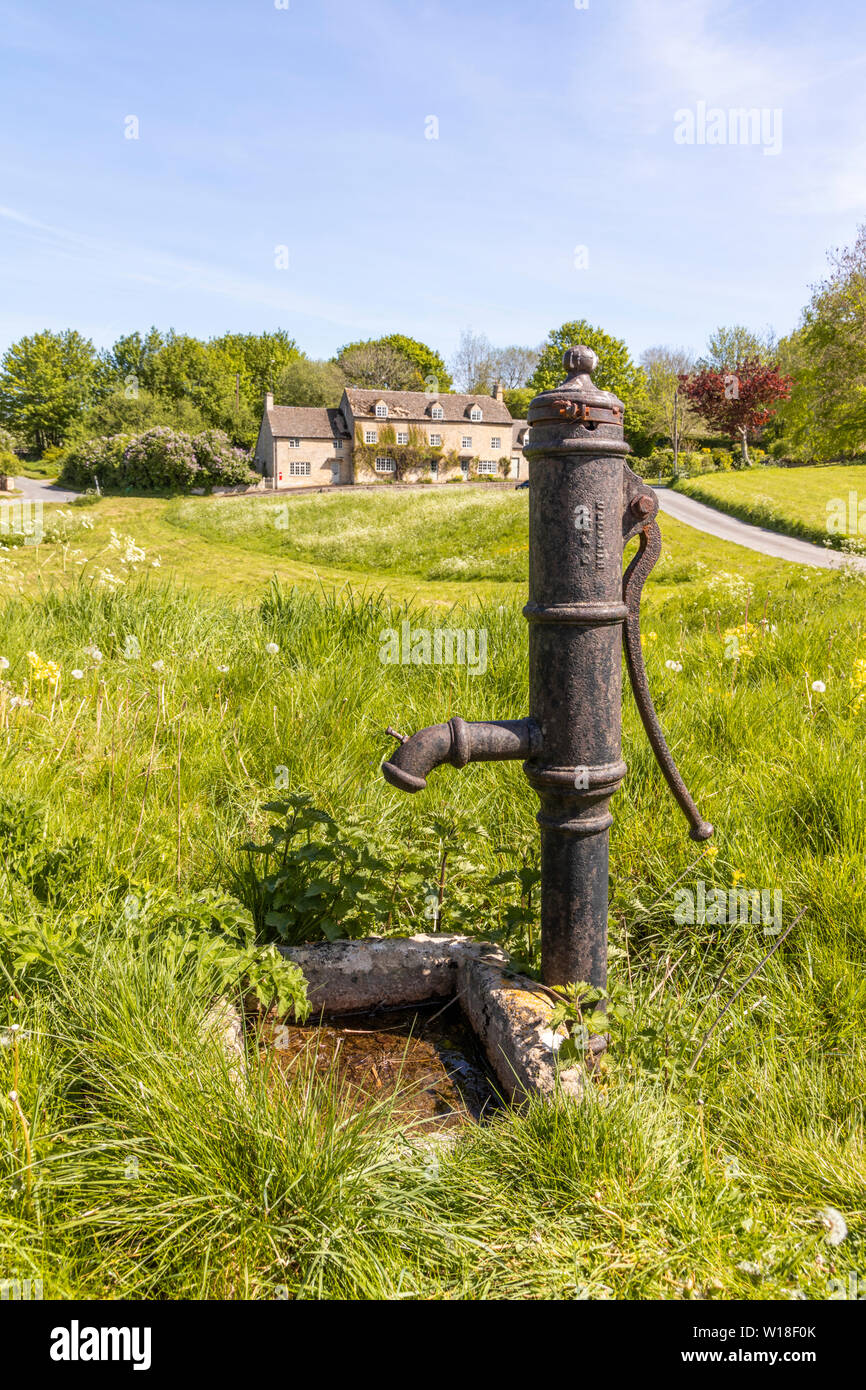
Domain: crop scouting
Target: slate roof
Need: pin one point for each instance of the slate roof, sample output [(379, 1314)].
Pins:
[(416, 405), (307, 422)]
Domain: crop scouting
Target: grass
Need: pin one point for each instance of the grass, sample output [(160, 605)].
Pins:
[(410, 546), (812, 503), (158, 1172)]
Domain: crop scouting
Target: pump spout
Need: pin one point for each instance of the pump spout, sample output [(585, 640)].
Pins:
[(458, 743)]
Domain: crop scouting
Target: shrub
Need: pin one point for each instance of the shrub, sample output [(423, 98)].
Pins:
[(91, 459), (8, 461), (161, 458), (220, 462)]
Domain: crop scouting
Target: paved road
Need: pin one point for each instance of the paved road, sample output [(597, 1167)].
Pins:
[(729, 528), (38, 491)]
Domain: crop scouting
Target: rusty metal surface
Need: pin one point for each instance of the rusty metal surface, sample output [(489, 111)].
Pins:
[(585, 504), (458, 743), (649, 550)]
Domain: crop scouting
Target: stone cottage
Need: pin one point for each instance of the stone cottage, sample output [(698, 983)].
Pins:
[(385, 436)]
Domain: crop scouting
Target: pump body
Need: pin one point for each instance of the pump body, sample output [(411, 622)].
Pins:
[(585, 504)]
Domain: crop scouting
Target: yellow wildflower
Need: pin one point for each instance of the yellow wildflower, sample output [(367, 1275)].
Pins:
[(43, 670)]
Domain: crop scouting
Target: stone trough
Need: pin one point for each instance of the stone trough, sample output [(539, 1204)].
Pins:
[(509, 1013)]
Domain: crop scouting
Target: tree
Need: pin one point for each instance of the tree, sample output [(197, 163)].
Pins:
[(46, 382), (473, 364), (615, 372), (377, 365), (728, 346), (737, 402), (431, 367), (518, 400), (514, 365), (131, 361), (307, 382), (478, 366), (669, 411), (826, 355), (259, 358)]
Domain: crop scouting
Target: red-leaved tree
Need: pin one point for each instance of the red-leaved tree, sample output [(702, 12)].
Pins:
[(737, 402)]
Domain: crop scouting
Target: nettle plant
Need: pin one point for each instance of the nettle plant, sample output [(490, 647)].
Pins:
[(315, 879)]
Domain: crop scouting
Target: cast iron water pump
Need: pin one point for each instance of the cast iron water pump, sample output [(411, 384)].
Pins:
[(585, 504)]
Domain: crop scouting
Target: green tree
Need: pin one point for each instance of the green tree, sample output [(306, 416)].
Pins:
[(46, 382), (729, 346), (131, 410), (426, 359), (669, 411), (826, 356), (393, 363), (615, 372), (260, 358), (131, 362), (308, 382), (518, 400)]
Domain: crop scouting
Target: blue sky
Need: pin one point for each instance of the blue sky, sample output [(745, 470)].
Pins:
[(305, 127)]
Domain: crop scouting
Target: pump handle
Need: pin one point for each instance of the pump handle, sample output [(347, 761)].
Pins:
[(649, 550)]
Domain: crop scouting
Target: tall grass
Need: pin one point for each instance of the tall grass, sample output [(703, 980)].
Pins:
[(157, 1171)]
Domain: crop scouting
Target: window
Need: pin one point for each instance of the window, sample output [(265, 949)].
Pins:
[(381, 411), (370, 436), (435, 439), (475, 413), (402, 436), (297, 469), (437, 413), (488, 466), (294, 443), (384, 465), (496, 442), (466, 442), (464, 465), (338, 443)]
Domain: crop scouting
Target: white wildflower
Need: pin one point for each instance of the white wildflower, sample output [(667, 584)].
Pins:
[(222, 669), (835, 1225), (272, 649), (158, 666), (4, 663), (550, 1040), (77, 675), (674, 665), (94, 653), (819, 687)]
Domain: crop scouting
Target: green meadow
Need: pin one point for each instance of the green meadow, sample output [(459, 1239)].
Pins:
[(170, 667), (825, 504)]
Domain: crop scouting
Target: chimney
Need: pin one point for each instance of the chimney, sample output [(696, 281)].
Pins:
[(498, 393), (269, 400)]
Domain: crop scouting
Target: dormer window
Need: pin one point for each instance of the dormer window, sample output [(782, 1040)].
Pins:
[(475, 413), (381, 410), (437, 413)]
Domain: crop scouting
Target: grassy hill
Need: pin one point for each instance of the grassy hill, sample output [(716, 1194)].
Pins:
[(813, 503), (134, 1164)]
